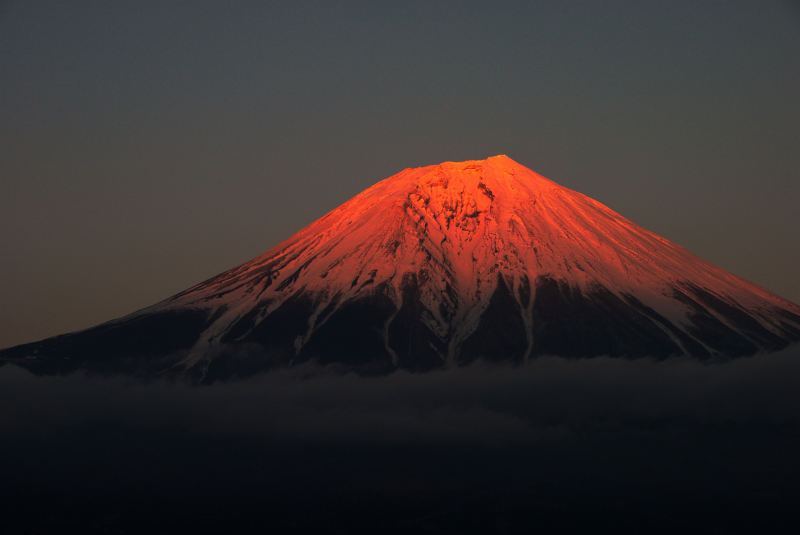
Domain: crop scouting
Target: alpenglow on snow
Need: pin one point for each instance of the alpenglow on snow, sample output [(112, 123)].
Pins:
[(441, 266)]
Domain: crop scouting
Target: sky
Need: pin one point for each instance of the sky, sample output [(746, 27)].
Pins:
[(146, 146)]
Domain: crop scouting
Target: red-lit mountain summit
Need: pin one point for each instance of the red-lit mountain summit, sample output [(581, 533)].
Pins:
[(439, 266)]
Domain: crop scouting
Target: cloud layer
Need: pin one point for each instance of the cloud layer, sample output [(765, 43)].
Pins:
[(675, 444), (549, 398)]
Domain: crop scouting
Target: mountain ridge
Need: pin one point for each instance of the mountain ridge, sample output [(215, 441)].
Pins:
[(445, 264)]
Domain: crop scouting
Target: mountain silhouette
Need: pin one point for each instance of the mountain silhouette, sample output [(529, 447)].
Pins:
[(441, 266)]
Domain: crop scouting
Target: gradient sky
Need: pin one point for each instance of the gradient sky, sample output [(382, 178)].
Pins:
[(145, 146)]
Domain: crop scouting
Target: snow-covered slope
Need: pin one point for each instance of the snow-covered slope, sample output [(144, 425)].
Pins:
[(448, 263)]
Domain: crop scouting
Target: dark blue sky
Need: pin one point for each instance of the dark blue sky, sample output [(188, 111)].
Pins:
[(145, 146)]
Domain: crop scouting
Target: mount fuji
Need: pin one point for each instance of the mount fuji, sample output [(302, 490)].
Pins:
[(441, 266)]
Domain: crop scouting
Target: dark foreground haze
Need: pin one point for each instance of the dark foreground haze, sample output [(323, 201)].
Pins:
[(557, 444)]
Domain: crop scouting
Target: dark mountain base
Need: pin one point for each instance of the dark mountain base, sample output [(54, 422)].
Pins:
[(371, 336), (147, 345)]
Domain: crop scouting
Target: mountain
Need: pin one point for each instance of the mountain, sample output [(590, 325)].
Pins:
[(440, 266)]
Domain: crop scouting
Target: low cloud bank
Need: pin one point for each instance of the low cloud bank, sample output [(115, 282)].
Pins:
[(548, 399), (555, 441)]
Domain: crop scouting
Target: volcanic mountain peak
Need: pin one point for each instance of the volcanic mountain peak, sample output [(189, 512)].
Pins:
[(451, 238), (457, 261)]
